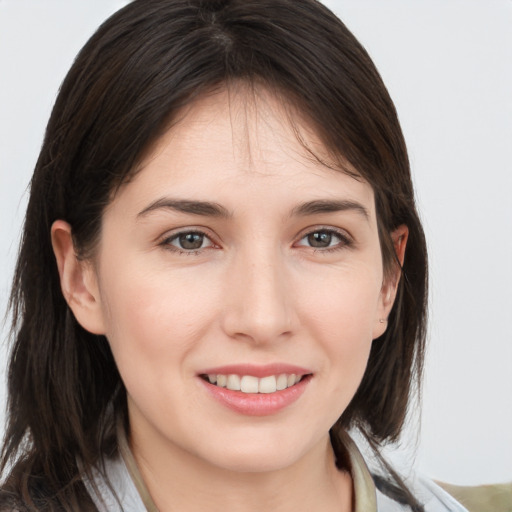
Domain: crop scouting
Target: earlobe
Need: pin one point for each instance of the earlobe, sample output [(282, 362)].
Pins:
[(77, 279), (390, 285)]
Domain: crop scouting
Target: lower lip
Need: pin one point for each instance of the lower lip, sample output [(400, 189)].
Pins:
[(257, 404)]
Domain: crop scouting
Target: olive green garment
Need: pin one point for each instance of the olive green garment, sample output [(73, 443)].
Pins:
[(482, 498)]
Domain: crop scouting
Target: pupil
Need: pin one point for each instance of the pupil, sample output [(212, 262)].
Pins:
[(320, 239), (191, 241)]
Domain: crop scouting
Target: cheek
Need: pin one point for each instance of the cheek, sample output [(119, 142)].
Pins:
[(153, 327), (341, 317), (154, 320), (342, 305)]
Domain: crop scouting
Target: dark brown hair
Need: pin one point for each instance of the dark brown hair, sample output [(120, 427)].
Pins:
[(126, 85)]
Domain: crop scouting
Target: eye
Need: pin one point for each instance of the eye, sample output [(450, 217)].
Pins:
[(324, 239), (188, 241)]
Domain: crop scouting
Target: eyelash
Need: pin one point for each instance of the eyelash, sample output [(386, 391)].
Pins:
[(344, 241), (166, 242)]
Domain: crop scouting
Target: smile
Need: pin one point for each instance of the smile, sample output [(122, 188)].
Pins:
[(251, 384)]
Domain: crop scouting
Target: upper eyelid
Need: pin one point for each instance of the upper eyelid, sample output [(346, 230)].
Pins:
[(345, 240), (166, 242), (331, 229), (174, 233)]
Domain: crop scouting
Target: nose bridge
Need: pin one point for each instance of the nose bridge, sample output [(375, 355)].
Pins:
[(260, 308)]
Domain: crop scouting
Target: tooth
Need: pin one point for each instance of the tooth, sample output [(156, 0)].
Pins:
[(291, 379), (267, 384), (233, 382), (298, 378), (222, 381), (282, 382), (212, 378), (249, 384)]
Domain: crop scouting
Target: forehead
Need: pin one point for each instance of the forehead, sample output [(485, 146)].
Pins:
[(243, 137)]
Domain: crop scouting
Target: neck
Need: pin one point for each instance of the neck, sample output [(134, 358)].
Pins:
[(179, 480)]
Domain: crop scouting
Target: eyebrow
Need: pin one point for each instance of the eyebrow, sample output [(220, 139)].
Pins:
[(330, 206), (202, 208), (211, 209)]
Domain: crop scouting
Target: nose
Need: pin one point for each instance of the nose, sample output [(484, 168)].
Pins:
[(259, 308)]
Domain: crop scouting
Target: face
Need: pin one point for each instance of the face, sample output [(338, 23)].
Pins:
[(240, 285)]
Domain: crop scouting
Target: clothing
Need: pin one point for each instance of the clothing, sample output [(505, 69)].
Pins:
[(482, 498), (129, 494)]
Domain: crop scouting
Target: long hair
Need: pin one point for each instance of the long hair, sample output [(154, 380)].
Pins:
[(141, 67)]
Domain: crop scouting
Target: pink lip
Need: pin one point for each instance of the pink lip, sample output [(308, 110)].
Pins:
[(256, 370), (256, 404)]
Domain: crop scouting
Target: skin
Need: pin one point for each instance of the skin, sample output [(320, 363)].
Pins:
[(256, 291)]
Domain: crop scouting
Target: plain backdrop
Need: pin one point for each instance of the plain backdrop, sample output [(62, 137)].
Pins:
[(448, 67)]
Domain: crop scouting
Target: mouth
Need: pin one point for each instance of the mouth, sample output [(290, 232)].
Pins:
[(256, 390), (253, 385)]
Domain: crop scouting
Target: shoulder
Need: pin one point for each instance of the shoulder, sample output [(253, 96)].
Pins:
[(432, 497), (393, 492), (486, 497)]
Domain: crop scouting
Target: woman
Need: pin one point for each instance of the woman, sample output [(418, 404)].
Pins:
[(222, 272)]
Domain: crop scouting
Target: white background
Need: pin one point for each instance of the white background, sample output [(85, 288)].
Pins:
[(448, 66)]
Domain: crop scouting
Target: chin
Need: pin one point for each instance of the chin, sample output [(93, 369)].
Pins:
[(258, 455), (256, 462)]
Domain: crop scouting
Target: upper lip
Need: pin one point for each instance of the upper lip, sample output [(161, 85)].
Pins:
[(259, 371)]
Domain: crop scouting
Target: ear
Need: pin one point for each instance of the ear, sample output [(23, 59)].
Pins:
[(390, 285), (78, 280)]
